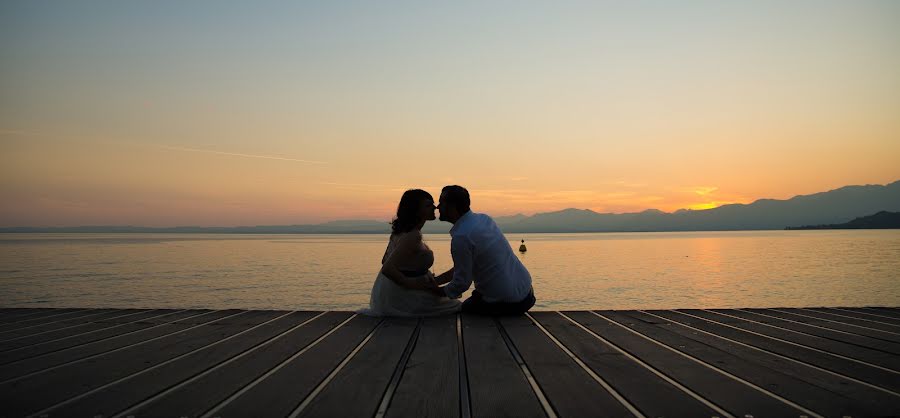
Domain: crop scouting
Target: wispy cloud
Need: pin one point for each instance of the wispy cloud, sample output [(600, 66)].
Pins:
[(367, 187), (17, 132), (705, 190), (622, 183), (237, 154)]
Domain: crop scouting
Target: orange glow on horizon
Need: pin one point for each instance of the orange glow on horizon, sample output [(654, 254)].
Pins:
[(319, 111)]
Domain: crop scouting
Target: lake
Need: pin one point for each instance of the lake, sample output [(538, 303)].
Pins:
[(570, 271)]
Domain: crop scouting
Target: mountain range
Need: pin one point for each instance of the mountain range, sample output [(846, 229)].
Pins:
[(880, 220), (831, 207)]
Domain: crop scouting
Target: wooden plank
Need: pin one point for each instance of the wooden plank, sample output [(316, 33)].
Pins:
[(856, 352), (836, 314), (724, 356), (865, 314), (832, 334), (883, 378), (141, 322), (497, 386), (807, 319), (649, 393), (818, 390), (120, 339), (281, 391), (41, 318), (32, 394), (431, 374), (862, 324), (735, 397), (892, 312), (365, 378), (198, 396), (57, 358), (118, 397), (68, 330), (18, 314), (569, 389), (37, 333), (58, 322)]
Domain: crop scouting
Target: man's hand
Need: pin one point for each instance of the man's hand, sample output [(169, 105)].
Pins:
[(445, 277), (432, 286)]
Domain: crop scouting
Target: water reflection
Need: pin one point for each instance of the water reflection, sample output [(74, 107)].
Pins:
[(571, 271)]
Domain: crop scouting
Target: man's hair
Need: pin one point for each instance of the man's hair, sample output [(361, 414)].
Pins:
[(458, 197)]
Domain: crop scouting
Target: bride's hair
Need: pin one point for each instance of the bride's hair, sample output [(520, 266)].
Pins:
[(408, 210)]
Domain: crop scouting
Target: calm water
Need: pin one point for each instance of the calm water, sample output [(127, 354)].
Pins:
[(571, 271)]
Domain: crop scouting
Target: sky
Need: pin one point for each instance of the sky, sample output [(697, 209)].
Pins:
[(163, 113)]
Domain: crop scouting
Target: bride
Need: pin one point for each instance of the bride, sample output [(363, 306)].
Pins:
[(400, 288)]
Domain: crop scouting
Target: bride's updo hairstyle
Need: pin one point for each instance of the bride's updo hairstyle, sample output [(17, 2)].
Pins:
[(408, 210)]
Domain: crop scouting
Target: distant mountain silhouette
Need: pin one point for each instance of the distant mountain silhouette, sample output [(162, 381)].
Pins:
[(826, 208), (880, 220), (834, 206)]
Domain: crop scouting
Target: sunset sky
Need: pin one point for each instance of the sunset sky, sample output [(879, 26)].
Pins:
[(164, 113)]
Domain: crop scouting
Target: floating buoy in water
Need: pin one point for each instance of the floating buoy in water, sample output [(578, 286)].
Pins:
[(522, 248)]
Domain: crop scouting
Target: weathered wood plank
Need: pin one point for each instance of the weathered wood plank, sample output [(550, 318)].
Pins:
[(570, 390), (10, 315), (497, 386), (196, 373), (198, 396), (121, 340), (724, 356), (735, 397), (120, 396), (840, 326), (864, 314), (817, 390), (281, 391), (39, 318), (365, 378), (829, 333), (649, 393), (107, 331), (36, 392), (855, 352), (431, 374), (58, 322), (892, 312), (863, 325), (869, 374), (882, 323), (33, 335)]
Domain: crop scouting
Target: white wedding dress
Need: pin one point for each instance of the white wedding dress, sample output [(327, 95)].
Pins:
[(390, 299)]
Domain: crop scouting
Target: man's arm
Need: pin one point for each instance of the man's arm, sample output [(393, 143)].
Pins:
[(445, 277), (463, 258)]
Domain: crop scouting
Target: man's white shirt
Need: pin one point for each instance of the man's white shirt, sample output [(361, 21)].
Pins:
[(481, 253)]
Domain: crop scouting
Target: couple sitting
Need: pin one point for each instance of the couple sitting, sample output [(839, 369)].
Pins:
[(481, 254)]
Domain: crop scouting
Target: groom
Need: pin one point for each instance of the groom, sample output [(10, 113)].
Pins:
[(481, 254)]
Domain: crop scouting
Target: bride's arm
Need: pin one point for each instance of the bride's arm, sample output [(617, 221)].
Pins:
[(405, 247)]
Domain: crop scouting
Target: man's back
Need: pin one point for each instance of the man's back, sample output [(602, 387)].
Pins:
[(481, 253)]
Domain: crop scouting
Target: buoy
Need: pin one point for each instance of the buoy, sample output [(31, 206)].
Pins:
[(522, 248)]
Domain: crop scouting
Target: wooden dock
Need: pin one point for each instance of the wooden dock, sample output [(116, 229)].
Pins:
[(820, 362)]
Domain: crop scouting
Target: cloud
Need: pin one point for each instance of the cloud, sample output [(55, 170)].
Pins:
[(237, 154), (15, 132), (704, 190), (367, 187), (623, 183), (21, 133)]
